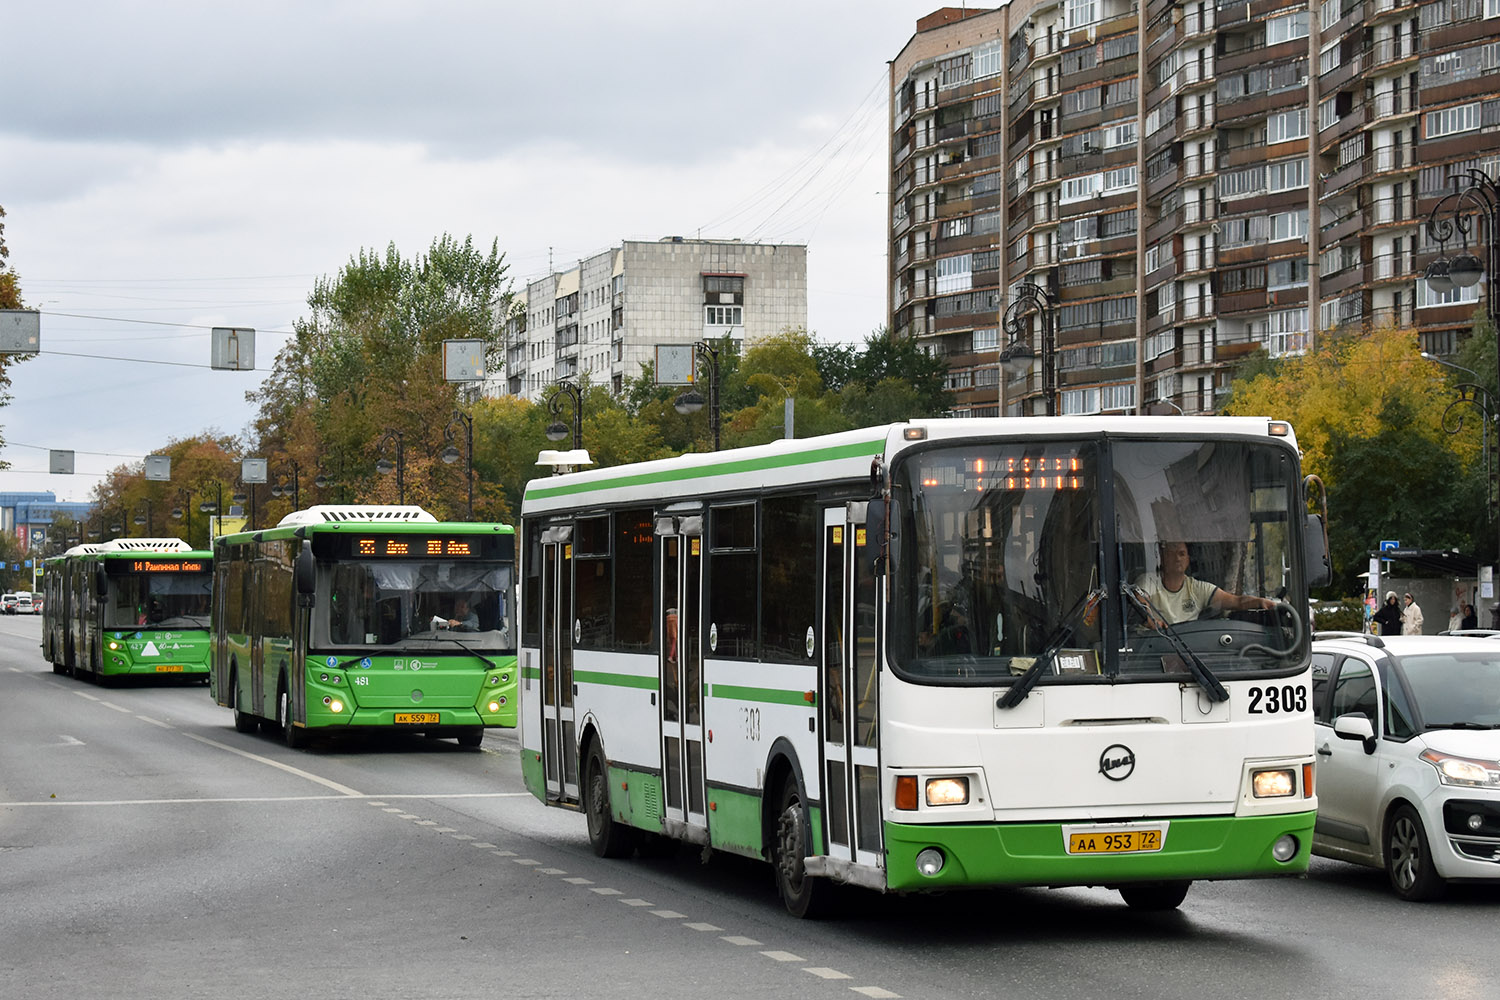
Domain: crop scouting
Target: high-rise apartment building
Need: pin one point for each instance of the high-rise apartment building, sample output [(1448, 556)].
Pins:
[(1185, 181), (606, 316)]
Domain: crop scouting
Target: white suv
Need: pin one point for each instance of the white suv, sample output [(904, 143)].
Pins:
[(1407, 731)]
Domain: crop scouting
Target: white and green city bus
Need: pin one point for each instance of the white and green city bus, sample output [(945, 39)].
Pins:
[(347, 619), (128, 607), (921, 657)]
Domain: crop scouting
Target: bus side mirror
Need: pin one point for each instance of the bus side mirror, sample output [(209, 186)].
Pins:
[(877, 525), (101, 583), (306, 574), (1315, 542)]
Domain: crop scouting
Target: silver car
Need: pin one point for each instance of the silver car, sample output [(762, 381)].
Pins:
[(1407, 732)]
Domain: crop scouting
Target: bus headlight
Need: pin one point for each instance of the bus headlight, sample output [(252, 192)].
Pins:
[(1273, 784), (113, 645), (947, 791), (336, 705), (494, 706)]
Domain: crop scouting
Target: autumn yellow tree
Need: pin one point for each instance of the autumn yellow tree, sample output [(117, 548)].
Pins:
[(1369, 412)]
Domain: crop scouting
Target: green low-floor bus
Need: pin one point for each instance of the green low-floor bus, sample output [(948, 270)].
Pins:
[(346, 619), (136, 607), (935, 655)]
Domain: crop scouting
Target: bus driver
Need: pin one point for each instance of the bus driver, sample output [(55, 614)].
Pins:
[(1178, 597)]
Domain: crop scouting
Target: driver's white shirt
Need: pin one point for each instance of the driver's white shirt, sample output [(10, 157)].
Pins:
[(1182, 605)]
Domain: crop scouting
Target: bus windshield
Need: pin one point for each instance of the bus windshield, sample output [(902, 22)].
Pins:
[(1099, 557), (167, 601), (428, 604)]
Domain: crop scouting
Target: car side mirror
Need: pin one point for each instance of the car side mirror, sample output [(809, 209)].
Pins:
[(1355, 727)]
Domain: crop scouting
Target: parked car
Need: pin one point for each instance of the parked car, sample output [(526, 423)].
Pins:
[(36, 602), (8, 603), (1407, 731), (23, 605)]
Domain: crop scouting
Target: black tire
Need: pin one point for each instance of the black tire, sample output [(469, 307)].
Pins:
[(608, 837), (1408, 858), (803, 895), (244, 722), (471, 738), (1155, 895), (295, 736)]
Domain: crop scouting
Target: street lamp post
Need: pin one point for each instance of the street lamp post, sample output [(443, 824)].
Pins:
[(449, 454), (1018, 355), (557, 430), (145, 518), (384, 466), (1475, 196), (1482, 399), (692, 401), (294, 490)]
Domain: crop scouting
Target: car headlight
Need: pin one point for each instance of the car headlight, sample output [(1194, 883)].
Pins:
[(947, 791), (1463, 770)]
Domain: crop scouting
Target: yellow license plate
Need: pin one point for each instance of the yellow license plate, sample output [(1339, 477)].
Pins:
[(169, 668), (421, 718), (1114, 841)]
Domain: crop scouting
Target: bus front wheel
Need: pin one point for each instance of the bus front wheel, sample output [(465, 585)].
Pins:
[(244, 722), (803, 895), (295, 737), (608, 838), (1155, 895)]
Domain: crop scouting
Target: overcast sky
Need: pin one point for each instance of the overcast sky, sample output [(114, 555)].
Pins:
[(170, 167)]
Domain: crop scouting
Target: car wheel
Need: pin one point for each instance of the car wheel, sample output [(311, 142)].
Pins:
[(608, 838), (1408, 858), (1155, 895)]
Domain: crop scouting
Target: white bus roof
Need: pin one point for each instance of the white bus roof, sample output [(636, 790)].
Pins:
[(324, 513), (144, 545)]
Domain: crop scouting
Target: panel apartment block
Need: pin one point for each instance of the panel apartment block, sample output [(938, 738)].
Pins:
[(1190, 181), (604, 318)]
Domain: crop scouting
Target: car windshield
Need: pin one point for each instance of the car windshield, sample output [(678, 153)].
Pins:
[(435, 605), (1180, 552), (1455, 690), (158, 601)]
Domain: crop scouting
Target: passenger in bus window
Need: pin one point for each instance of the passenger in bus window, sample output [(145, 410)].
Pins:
[(1178, 597), (982, 616)]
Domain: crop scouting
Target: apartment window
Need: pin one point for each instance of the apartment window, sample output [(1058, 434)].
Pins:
[(1080, 13), (1286, 333), (1289, 226), (1120, 179), (1286, 126), (1286, 273), (955, 274), (1117, 224), (1122, 134), (988, 60), (723, 316), (987, 340), (1457, 296), (1448, 121), (1078, 188), (1286, 175), (724, 284), (1286, 27), (954, 71)]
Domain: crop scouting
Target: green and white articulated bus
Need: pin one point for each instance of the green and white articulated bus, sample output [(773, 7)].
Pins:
[(929, 656), (128, 607), (347, 619)]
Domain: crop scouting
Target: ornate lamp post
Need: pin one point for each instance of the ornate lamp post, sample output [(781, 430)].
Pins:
[(557, 430), (1018, 356), (384, 466), (692, 401), (449, 455), (1475, 196), (292, 489)]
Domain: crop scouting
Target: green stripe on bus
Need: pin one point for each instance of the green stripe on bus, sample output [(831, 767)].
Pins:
[(856, 450), (771, 696), (614, 680)]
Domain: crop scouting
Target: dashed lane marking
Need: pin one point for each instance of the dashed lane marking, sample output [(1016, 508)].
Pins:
[(876, 992), (823, 973), (579, 881), (606, 892), (703, 927), (668, 914), (156, 722), (636, 902), (743, 942), (783, 956)]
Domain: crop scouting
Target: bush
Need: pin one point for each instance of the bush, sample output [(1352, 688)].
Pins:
[(1344, 615)]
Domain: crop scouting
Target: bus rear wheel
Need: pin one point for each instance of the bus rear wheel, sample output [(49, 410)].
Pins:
[(608, 838), (295, 737), (802, 894), (471, 738), (1155, 895)]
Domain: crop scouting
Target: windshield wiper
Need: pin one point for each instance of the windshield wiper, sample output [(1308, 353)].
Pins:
[(1022, 685), (472, 652), (1204, 676), (1460, 725)]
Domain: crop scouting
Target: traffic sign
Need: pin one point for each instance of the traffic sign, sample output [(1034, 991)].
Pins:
[(1387, 546)]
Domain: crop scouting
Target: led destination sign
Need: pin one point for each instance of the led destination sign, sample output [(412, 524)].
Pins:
[(158, 566), (415, 547)]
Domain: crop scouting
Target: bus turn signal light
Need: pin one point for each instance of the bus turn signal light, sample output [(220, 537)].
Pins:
[(906, 791)]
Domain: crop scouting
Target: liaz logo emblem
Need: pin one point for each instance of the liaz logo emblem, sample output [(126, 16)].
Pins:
[(1117, 762)]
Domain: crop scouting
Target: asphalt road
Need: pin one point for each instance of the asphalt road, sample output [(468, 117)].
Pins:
[(148, 850)]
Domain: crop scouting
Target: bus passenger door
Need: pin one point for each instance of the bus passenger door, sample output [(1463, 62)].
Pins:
[(681, 663), (559, 744), (848, 690)]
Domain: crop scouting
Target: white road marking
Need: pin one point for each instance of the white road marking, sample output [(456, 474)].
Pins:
[(601, 890), (156, 722), (822, 973), (317, 779), (552, 871), (480, 843), (118, 708), (463, 836), (876, 991), (444, 829), (575, 880), (85, 694), (783, 956), (704, 927), (504, 854), (668, 914), (743, 942), (636, 902), (70, 741)]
